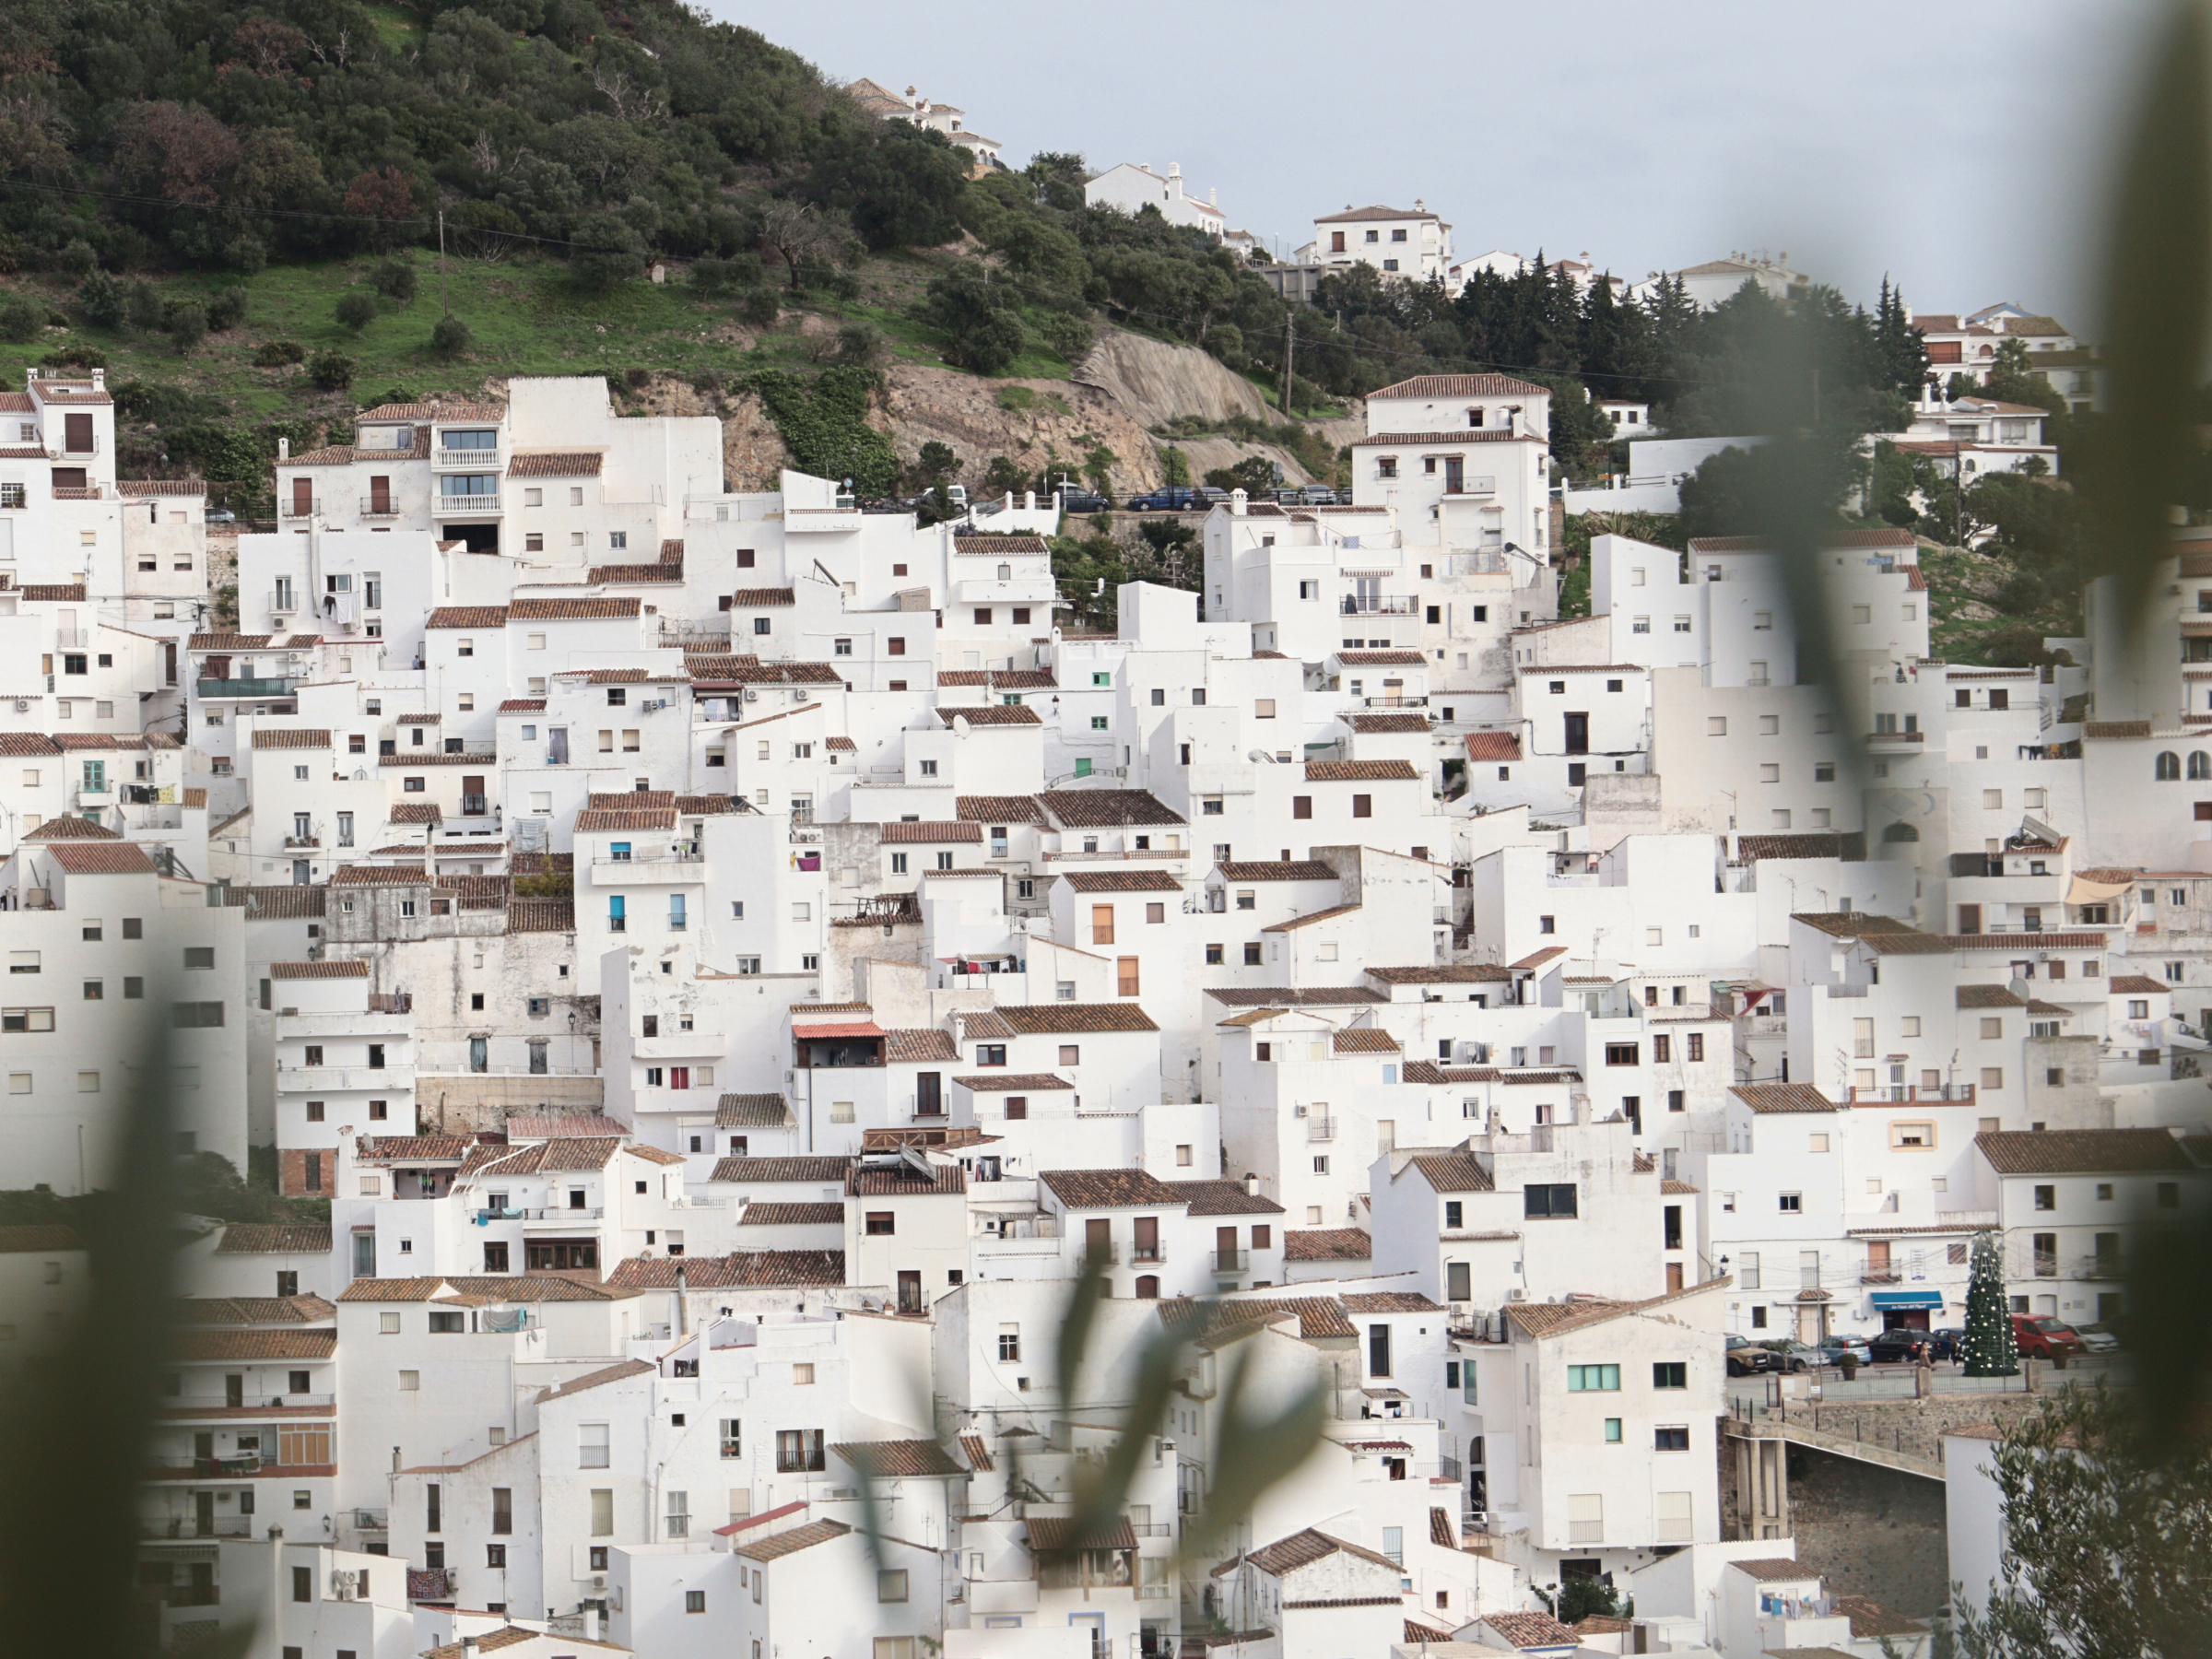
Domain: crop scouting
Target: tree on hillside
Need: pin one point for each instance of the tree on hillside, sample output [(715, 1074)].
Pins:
[(801, 235)]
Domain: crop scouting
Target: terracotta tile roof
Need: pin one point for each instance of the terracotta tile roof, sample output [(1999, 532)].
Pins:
[(1365, 1039), (1456, 1171), (1107, 808), (842, 745), (1988, 996), (704, 805), (571, 610), (102, 858), (2042, 941), (104, 741), (1013, 1083), (924, 834), (1359, 772), (1454, 973), (1106, 1189), (793, 1214), (1782, 1097), (1223, 1198), (1328, 1244), (597, 820), (990, 714), (902, 1181), (1120, 881), (1530, 1629), (18, 1241), (892, 1459), (253, 1345), (291, 737), (522, 705), (1849, 846), (1302, 1550), (918, 1045), (999, 544), (548, 1129), (228, 641), (572, 464), (1059, 1018), (1050, 1534), (1318, 1316), (1493, 746), (415, 812), (380, 875), (2135, 985), (2082, 1151), (1380, 659), (417, 1148), (1389, 1302), (1438, 386), (263, 1238), (978, 1455), (792, 1540), (60, 593), (739, 1270), (71, 829), (440, 412), (598, 1379), (994, 809), (324, 970), (2100, 729), (245, 1309), (635, 572), (775, 1169), (1386, 723), (431, 758), (28, 742), (1854, 924), (752, 1111), (1309, 869), (541, 915), (468, 616)]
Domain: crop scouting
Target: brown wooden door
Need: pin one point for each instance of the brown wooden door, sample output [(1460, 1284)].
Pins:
[(472, 795), (1969, 918), (380, 495), (76, 434), (1097, 1238), (304, 497), (1144, 1233), (1674, 1276), (1225, 1248)]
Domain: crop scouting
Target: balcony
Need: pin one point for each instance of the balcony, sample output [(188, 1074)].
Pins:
[(211, 1469), (474, 460), (296, 508), (1395, 702), (1320, 1130), (379, 506), (210, 688), (1231, 1261), (1906, 1094), (395, 1079), (158, 1527), (1376, 605), (1148, 1255), (483, 504), (302, 841), (190, 1405), (561, 1215)]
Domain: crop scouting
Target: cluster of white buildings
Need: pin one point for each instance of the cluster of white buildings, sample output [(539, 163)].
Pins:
[(1390, 988)]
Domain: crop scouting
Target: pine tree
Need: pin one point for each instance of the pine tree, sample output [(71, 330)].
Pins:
[(1990, 1348)]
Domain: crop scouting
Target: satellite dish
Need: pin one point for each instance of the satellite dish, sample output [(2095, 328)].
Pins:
[(959, 725)]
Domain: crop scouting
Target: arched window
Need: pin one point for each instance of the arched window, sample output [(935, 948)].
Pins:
[(1901, 832), (2200, 766), (1148, 1288), (2169, 766)]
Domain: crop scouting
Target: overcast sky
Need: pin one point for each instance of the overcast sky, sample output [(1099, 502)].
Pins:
[(1960, 144)]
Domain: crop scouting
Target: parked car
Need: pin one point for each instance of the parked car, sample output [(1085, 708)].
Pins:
[(1746, 1357), (1317, 495), (2045, 1335), (1211, 495), (1896, 1347), (1287, 496), (220, 515), (2100, 1338), (1167, 498), (1794, 1355), (1084, 500)]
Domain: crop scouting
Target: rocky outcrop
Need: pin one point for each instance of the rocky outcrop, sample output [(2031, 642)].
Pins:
[(1061, 424), (1155, 381), (752, 450)]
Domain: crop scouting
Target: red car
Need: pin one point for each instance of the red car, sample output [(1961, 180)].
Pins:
[(2044, 1337)]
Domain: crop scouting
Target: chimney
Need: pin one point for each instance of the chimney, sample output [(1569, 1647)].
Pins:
[(1237, 503), (99, 380), (468, 1647), (284, 449), (683, 1315), (1251, 1185)]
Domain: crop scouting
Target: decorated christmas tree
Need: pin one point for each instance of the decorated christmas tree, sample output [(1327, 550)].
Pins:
[(1990, 1348)]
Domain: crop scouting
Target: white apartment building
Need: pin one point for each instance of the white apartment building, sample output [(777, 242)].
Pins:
[(1413, 244), (1132, 186)]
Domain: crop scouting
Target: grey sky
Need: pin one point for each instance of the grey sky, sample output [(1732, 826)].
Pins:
[(1960, 145)]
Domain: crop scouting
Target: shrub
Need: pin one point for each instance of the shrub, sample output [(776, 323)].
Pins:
[(607, 252), (858, 343), (395, 278), (188, 325), (450, 337), (277, 354), (100, 298), (356, 309), (332, 371), (142, 305), (226, 309), (1016, 397), (1071, 337), (708, 382), (759, 307), (21, 317), (77, 261), (77, 357)]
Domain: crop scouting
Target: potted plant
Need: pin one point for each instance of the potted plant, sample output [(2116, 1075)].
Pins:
[(1848, 1362)]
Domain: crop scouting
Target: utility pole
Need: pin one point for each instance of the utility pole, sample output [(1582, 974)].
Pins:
[(1289, 350), (445, 294)]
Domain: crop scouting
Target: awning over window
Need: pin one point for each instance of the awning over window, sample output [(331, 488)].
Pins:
[(1907, 1299)]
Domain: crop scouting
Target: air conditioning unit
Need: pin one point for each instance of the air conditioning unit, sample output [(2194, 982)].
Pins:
[(751, 695), (1516, 1294), (599, 1581), (344, 1587), (1462, 1310), (22, 705)]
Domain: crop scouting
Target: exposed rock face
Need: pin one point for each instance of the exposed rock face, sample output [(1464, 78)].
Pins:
[(752, 450), (1154, 382), (1060, 426)]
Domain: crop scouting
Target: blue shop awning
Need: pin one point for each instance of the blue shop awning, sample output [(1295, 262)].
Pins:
[(1907, 1299)]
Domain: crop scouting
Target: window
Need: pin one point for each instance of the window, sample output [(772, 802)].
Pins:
[(1675, 1439), (1621, 1053), (592, 1447), (1670, 1373), (881, 1223), (1550, 1200), (1071, 1054), (603, 1509), (695, 1601), (798, 1450), (1593, 1378), (890, 1584), (1791, 1204)]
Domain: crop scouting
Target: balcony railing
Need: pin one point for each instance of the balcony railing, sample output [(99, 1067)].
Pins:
[(1395, 702), (246, 688), (193, 1526), (1905, 1094), (1231, 1261), (1376, 605), (379, 506), (214, 1468), (484, 460), (296, 509), (1320, 1129), (1147, 1255), (456, 505)]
